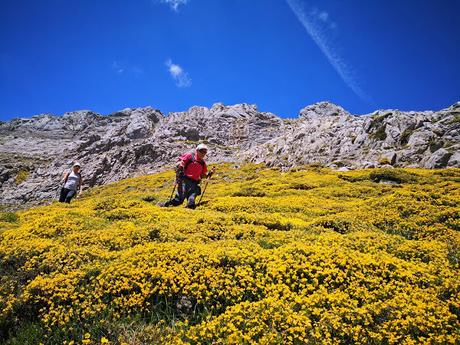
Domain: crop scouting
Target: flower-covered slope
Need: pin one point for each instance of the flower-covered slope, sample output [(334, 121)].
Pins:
[(307, 256)]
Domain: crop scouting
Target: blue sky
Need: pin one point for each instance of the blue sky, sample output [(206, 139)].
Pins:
[(106, 55)]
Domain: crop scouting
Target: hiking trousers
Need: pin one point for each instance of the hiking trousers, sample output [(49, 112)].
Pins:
[(67, 195), (187, 189)]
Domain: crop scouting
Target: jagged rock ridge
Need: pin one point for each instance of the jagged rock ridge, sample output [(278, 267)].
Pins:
[(140, 141)]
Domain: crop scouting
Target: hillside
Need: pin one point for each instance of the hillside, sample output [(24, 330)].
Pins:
[(34, 152), (309, 256)]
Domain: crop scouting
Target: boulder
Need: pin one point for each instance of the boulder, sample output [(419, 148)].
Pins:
[(438, 159)]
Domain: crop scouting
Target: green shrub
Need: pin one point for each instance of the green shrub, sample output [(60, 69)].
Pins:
[(9, 217), (30, 333), (301, 186), (21, 176), (106, 205), (405, 136), (453, 255), (454, 120), (249, 191), (150, 198), (340, 225), (384, 160), (395, 175), (354, 177), (380, 133), (154, 234), (277, 225), (435, 145)]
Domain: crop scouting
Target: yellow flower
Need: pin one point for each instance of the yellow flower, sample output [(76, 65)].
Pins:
[(306, 254)]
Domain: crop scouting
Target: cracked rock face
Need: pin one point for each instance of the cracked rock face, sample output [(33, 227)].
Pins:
[(327, 134), (35, 152)]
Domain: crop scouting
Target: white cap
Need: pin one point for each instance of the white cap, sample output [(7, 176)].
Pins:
[(201, 147), (76, 164)]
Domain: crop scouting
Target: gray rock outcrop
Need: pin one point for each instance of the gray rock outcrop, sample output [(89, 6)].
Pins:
[(34, 152)]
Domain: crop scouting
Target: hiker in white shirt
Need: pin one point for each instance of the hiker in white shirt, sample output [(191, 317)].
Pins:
[(72, 184)]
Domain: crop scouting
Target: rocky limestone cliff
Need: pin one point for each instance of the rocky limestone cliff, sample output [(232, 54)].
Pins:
[(34, 152), (327, 134)]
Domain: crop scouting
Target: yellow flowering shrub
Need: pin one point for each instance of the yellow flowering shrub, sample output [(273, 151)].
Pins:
[(306, 256)]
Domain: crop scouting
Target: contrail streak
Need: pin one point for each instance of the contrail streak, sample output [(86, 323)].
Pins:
[(319, 37)]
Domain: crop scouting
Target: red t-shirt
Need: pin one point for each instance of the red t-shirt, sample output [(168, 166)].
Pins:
[(194, 169)]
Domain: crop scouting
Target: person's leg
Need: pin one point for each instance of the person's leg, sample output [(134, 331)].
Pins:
[(69, 196), (192, 193), (64, 192), (180, 196)]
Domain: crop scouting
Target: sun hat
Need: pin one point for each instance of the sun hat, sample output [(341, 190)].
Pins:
[(201, 147)]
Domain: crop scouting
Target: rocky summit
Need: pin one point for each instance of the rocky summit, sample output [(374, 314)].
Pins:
[(36, 151)]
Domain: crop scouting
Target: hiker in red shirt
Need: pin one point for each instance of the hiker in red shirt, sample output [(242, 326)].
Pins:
[(191, 169)]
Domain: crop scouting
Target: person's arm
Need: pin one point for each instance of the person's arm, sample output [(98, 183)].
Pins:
[(207, 174), (80, 185), (212, 171), (204, 171), (183, 160), (64, 177), (183, 163), (180, 171)]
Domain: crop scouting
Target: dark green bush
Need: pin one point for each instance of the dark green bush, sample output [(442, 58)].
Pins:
[(150, 198), (395, 175), (340, 225), (301, 186), (106, 205), (249, 191), (9, 217), (405, 136), (380, 133), (154, 234), (351, 178)]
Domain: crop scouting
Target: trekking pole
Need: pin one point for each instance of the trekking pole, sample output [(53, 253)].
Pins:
[(204, 190), (172, 193), (205, 186), (58, 194)]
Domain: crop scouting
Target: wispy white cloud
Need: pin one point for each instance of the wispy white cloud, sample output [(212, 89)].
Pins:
[(324, 16), (181, 77), (174, 4), (128, 69), (116, 66), (137, 71), (318, 25)]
